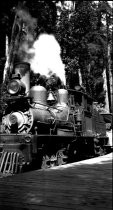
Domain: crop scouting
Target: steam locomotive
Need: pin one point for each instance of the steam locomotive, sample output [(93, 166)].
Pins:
[(45, 126)]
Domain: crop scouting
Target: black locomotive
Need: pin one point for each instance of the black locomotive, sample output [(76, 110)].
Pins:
[(43, 126)]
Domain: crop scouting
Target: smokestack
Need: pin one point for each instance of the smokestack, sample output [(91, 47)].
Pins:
[(23, 69)]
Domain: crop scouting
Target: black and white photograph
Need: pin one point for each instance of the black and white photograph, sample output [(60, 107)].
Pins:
[(56, 105)]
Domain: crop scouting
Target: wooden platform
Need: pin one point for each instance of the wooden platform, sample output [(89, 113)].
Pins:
[(78, 186)]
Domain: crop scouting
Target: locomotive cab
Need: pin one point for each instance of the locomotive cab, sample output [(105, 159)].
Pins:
[(81, 107)]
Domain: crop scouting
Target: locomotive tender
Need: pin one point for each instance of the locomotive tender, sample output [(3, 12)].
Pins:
[(44, 127)]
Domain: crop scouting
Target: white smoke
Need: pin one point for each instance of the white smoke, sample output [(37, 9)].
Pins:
[(47, 59)]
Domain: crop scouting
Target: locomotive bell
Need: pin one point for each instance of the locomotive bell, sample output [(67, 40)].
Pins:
[(38, 94), (50, 97)]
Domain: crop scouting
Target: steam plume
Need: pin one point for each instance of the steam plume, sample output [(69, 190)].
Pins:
[(27, 26), (44, 53), (46, 59)]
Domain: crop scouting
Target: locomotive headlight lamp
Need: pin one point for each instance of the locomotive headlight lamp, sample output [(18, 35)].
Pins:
[(13, 87), (16, 87)]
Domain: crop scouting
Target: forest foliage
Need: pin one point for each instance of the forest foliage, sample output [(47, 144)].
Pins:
[(83, 30)]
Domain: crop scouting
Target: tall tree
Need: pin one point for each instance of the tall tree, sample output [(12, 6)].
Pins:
[(82, 35), (106, 13)]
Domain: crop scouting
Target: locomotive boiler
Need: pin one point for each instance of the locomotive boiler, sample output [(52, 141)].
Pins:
[(47, 125)]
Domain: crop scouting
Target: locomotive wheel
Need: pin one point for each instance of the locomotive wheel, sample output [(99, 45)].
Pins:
[(48, 162), (54, 160), (101, 151), (45, 162), (98, 150), (61, 158)]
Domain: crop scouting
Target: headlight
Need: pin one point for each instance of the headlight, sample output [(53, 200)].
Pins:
[(13, 87), (16, 87)]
